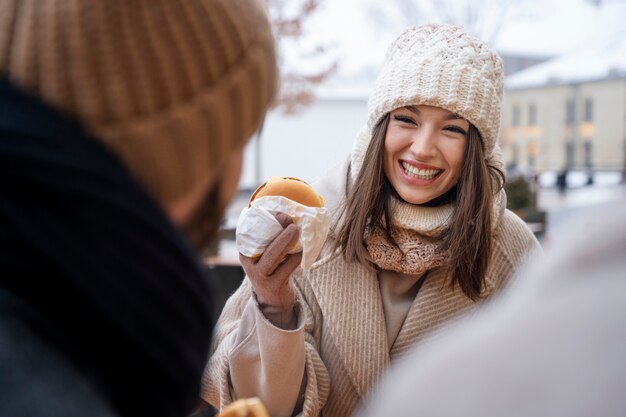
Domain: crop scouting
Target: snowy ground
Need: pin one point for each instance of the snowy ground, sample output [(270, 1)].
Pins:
[(550, 199)]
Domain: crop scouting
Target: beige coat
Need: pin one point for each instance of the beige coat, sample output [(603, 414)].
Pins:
[(341, 344)]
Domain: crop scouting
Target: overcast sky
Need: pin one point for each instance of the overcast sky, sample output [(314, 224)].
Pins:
[(358, 31)]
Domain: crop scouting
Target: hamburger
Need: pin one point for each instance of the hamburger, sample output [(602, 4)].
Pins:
[(246, 407), (256, 227), (292, 188)]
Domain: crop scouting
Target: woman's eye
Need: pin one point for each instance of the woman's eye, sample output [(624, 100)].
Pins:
[(456, 129), (403, 119)]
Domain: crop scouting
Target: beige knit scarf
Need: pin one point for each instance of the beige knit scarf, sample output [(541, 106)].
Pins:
[(415, 230), (413, 255)]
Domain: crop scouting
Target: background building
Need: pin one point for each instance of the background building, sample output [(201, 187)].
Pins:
[(516, 62), (568, 113)]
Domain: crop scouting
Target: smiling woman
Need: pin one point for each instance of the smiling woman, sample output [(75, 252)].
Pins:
[(421, 235), (432, 157)]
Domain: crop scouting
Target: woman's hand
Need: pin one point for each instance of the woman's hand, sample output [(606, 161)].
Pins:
[(270, 275)]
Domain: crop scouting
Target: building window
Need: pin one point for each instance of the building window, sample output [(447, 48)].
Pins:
[(532, 115), (516, 115), (588, 110), (587, 151), (515, 154), (570, 111), (570, 154), (531, 152)]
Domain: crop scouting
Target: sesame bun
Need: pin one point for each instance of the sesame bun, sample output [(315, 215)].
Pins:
[(246, 407), (291, 188)]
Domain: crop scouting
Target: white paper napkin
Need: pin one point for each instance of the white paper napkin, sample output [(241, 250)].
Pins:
[(257, 227)]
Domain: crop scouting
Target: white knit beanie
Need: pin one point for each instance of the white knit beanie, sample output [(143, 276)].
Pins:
[(442, 66)]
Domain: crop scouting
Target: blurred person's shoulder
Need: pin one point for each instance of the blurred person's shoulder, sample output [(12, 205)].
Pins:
[(589, 241), (38, 381)]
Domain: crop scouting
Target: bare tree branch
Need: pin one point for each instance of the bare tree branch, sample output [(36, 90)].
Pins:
[(296, 90)]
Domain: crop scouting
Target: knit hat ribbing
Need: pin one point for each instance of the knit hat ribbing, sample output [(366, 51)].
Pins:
[(442, 66), (171, 87)]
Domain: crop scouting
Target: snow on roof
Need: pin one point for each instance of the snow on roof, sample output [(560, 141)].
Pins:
[(603, 60)]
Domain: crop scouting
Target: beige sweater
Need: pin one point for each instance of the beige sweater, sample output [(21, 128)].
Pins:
[(342, 344)]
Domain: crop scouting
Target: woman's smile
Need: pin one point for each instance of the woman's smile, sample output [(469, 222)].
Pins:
[(419, 172)]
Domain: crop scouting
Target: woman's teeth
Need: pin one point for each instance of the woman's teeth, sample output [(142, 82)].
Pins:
[(424, 174)]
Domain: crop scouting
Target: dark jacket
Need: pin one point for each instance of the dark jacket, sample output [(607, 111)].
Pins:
[(104, 309)]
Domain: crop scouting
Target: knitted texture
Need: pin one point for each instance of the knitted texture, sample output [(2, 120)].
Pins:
[(414, 254), (415, 230), (171, 86), (442, 66)]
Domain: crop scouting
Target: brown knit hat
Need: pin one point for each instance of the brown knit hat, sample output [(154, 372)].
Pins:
[(170, 86)]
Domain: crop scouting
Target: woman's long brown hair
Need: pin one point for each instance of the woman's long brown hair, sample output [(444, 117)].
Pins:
[(468, 240)]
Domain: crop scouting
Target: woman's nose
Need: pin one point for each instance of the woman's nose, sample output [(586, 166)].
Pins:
[(424, 143)]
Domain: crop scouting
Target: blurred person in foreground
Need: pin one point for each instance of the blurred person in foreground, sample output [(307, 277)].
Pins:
[(552, 344), (422, 236), (122, 126)]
